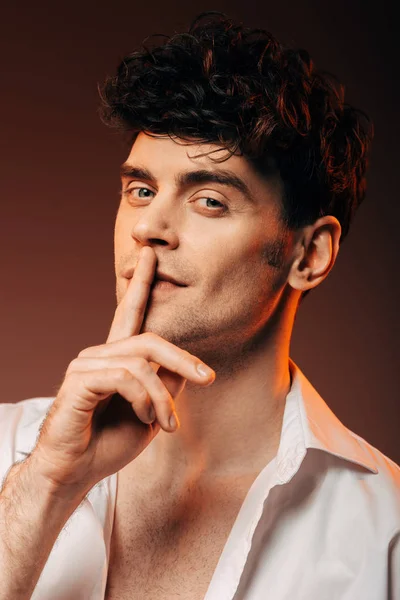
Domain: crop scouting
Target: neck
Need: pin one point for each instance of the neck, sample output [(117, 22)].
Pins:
[(232, 427)]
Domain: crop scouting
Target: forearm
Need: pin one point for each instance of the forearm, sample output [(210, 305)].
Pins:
[(31, 518)]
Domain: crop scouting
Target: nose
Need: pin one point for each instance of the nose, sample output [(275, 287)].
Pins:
[(157, 222)]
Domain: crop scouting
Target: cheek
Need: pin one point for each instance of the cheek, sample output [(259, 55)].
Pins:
[(233, 269), (258, 267)]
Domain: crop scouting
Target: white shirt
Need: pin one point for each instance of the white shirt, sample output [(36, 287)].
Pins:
[(320, 522)]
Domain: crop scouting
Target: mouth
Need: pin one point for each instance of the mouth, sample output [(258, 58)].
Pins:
[(164, 285), (158, 278)]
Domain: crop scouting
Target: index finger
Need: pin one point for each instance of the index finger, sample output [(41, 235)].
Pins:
[(128, 317)]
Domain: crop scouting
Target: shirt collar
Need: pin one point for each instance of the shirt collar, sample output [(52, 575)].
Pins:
[(310, 423)]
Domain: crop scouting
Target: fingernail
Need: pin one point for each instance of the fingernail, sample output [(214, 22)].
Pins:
[(173, 421), (204, 371)]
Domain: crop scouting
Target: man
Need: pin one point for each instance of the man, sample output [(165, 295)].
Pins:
[(151, 478)]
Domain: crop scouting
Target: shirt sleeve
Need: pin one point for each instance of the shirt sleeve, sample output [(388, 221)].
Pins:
[(10, 415), (19, 427)]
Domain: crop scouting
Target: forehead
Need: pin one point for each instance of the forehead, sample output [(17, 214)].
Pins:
[(176, 150)]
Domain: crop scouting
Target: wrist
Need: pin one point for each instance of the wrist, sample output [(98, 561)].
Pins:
[(27, 484)]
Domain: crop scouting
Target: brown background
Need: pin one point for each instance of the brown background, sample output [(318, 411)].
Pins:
[(59, 194)]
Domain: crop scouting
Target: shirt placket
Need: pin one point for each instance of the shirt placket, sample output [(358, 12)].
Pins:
[(280, 471)]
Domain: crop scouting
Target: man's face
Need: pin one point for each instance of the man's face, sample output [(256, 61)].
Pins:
[(223, 238)]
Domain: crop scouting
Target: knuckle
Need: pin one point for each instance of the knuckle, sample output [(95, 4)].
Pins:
[(140, 364), (149, 336), (85, 352), (71, 376), (72, 380), (164, 396), (72, 366), (182, 363), (142, 394), (187, 357), (122, 374)]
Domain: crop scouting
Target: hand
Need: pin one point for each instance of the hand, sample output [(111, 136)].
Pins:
[(114, 399)]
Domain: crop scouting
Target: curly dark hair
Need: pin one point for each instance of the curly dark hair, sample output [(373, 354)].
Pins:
[(225, 83)]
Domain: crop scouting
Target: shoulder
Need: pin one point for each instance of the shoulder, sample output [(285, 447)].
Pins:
[(24, 410), (19, 427), (22, 415), (367, 502), (388, 471), (375, 493)]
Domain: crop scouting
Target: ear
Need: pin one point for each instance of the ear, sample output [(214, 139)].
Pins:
[(317, 249)]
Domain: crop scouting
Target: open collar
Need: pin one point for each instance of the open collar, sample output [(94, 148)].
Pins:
[(316, 426), (306, 413)]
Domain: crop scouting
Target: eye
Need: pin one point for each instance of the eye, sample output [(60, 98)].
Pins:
[(142, 192), (211, 203)]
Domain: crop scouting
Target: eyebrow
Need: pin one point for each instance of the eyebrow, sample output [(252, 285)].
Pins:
[(186, 178)]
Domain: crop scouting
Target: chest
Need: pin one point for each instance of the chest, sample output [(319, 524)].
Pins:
[(168, 547)]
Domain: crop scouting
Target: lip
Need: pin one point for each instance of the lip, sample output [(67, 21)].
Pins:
[(160, 285), (158, 276)]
